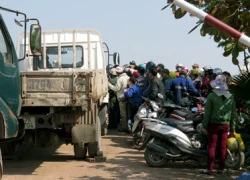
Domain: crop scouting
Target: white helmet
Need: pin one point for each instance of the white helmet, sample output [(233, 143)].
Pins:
[(178, 65), (206, 68), (112, 71), (119, 69)]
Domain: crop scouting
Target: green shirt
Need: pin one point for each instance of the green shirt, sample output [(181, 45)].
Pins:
[(166, 81), (219, 110)]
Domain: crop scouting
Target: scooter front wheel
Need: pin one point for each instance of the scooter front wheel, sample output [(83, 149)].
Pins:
[(236, 160), (153, 159), (139, 138)]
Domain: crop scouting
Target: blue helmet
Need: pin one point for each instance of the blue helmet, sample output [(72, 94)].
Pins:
[(143, 66)]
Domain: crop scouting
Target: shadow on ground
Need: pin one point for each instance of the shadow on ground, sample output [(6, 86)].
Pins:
[(123, 162), (130, 164)]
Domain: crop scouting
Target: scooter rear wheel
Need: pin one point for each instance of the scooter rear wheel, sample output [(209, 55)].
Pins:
[(153, 159)]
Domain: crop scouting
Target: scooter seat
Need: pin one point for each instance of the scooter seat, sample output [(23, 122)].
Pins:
[(182, 113), (169, 120), (184, 126)]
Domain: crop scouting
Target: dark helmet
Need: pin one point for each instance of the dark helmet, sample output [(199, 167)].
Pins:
[(161, 66), (125, 66), (141, 70), (217, 71), (153, 71), (132, 62), (150, 64)]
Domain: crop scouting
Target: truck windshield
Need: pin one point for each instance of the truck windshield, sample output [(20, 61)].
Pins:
[(67, 55)]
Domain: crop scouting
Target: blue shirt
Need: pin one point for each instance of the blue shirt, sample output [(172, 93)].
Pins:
[(134, 94), (180, 85)]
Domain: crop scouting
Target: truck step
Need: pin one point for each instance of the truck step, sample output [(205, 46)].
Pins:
[(96, 159)]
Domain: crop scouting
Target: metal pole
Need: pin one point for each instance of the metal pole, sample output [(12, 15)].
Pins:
[(25, 27), (242, 38)]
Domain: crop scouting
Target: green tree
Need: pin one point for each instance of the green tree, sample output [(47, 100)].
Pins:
[(235, 13)]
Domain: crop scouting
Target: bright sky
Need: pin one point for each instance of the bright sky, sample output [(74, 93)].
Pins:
[(137, 29)]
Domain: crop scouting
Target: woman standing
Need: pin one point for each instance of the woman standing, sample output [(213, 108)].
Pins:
[(219, 119)]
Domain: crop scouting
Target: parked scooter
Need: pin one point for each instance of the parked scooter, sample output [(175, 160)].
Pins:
[(170, 143), (150, 109), (195, 113)]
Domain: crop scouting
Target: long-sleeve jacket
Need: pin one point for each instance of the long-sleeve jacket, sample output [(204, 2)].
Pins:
[(134, 94), (156, 86), (140, 81), (166, 81), (180, 85), (121, 84), (146, 81), (219, 110)]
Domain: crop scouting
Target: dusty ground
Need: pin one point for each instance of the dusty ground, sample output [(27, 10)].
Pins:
[(123, 162)]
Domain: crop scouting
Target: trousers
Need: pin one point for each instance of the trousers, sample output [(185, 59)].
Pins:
[(123, 113), (217, 135)]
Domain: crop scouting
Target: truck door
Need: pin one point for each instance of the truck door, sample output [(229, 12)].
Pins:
[(9, 74)]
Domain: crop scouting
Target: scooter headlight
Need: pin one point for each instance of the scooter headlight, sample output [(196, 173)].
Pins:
[(152, 115), (155, 106), (142, 112)]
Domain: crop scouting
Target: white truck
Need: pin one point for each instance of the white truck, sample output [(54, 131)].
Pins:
[(65, 91)]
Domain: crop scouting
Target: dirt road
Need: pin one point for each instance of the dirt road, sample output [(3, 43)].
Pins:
[(123, 162)]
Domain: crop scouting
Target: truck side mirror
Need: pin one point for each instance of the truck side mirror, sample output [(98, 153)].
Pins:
[(116, 58), (35, 40)]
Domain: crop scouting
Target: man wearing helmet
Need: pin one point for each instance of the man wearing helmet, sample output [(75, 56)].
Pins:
[(149, 65), (114, 114), (216, 72), (156, 85), (207, 77), (195, 66), (132, 64), (178, 68), (121, 85), (180, 85), (195, 76)]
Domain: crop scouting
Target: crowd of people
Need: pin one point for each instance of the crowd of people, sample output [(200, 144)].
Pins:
[(128, 83)]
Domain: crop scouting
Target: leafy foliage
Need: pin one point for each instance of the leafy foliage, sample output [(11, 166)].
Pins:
[(240, 86), (235, 13)]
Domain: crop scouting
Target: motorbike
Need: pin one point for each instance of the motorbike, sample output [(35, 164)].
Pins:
[(180, 141), (150, 109), (195, 112)]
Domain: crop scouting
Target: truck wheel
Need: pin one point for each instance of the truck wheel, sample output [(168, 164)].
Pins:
[(1, 165), (80, 151), (92, 149)]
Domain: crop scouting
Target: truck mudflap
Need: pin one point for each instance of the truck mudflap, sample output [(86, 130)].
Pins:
[(84, 133), (9, 125)]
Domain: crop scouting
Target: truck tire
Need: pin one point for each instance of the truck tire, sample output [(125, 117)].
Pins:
[(80, 151), (1, 165), (92, 149)]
